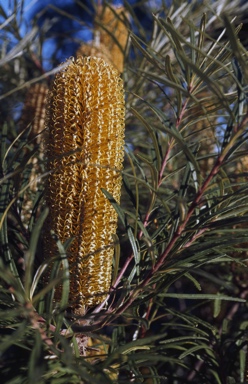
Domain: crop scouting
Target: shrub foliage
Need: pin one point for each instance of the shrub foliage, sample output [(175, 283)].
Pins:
[(176, 310)]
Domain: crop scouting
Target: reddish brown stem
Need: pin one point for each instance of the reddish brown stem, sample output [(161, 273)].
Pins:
[(164, 163), (160, 180), (219, 162), (176, 236)]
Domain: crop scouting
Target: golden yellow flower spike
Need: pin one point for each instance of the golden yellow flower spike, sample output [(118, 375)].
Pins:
[(33, 117), (34, 110), (85, 149), (110, 36)]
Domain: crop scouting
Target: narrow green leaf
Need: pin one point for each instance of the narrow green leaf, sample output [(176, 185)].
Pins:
[(193, 350), (117, 253), (36, 365), (116, 206), (152, 135), (217, 307), (201, 296), (194, 281), (135, 249), (30, 254), (201, 37), (174, 79), (236, 45)]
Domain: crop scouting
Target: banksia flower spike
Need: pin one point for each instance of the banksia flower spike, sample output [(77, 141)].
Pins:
[(110, 36), (33, 117), (34, 110), (85, 149), (114, 33)]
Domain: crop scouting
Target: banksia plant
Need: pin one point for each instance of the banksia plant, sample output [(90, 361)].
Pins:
[(33, 120), (181, 265), (113, 33), (85, 149), (34, 110), (110, 36)]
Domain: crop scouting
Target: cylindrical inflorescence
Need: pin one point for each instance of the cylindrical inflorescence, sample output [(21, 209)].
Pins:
[(110, 36), (111, 25), (33, 113), (85, 150), (33, 120)]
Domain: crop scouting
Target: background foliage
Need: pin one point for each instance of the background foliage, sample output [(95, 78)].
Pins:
[(176, 311)]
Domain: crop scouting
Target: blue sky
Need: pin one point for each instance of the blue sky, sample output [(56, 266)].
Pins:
[(55, 26)]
